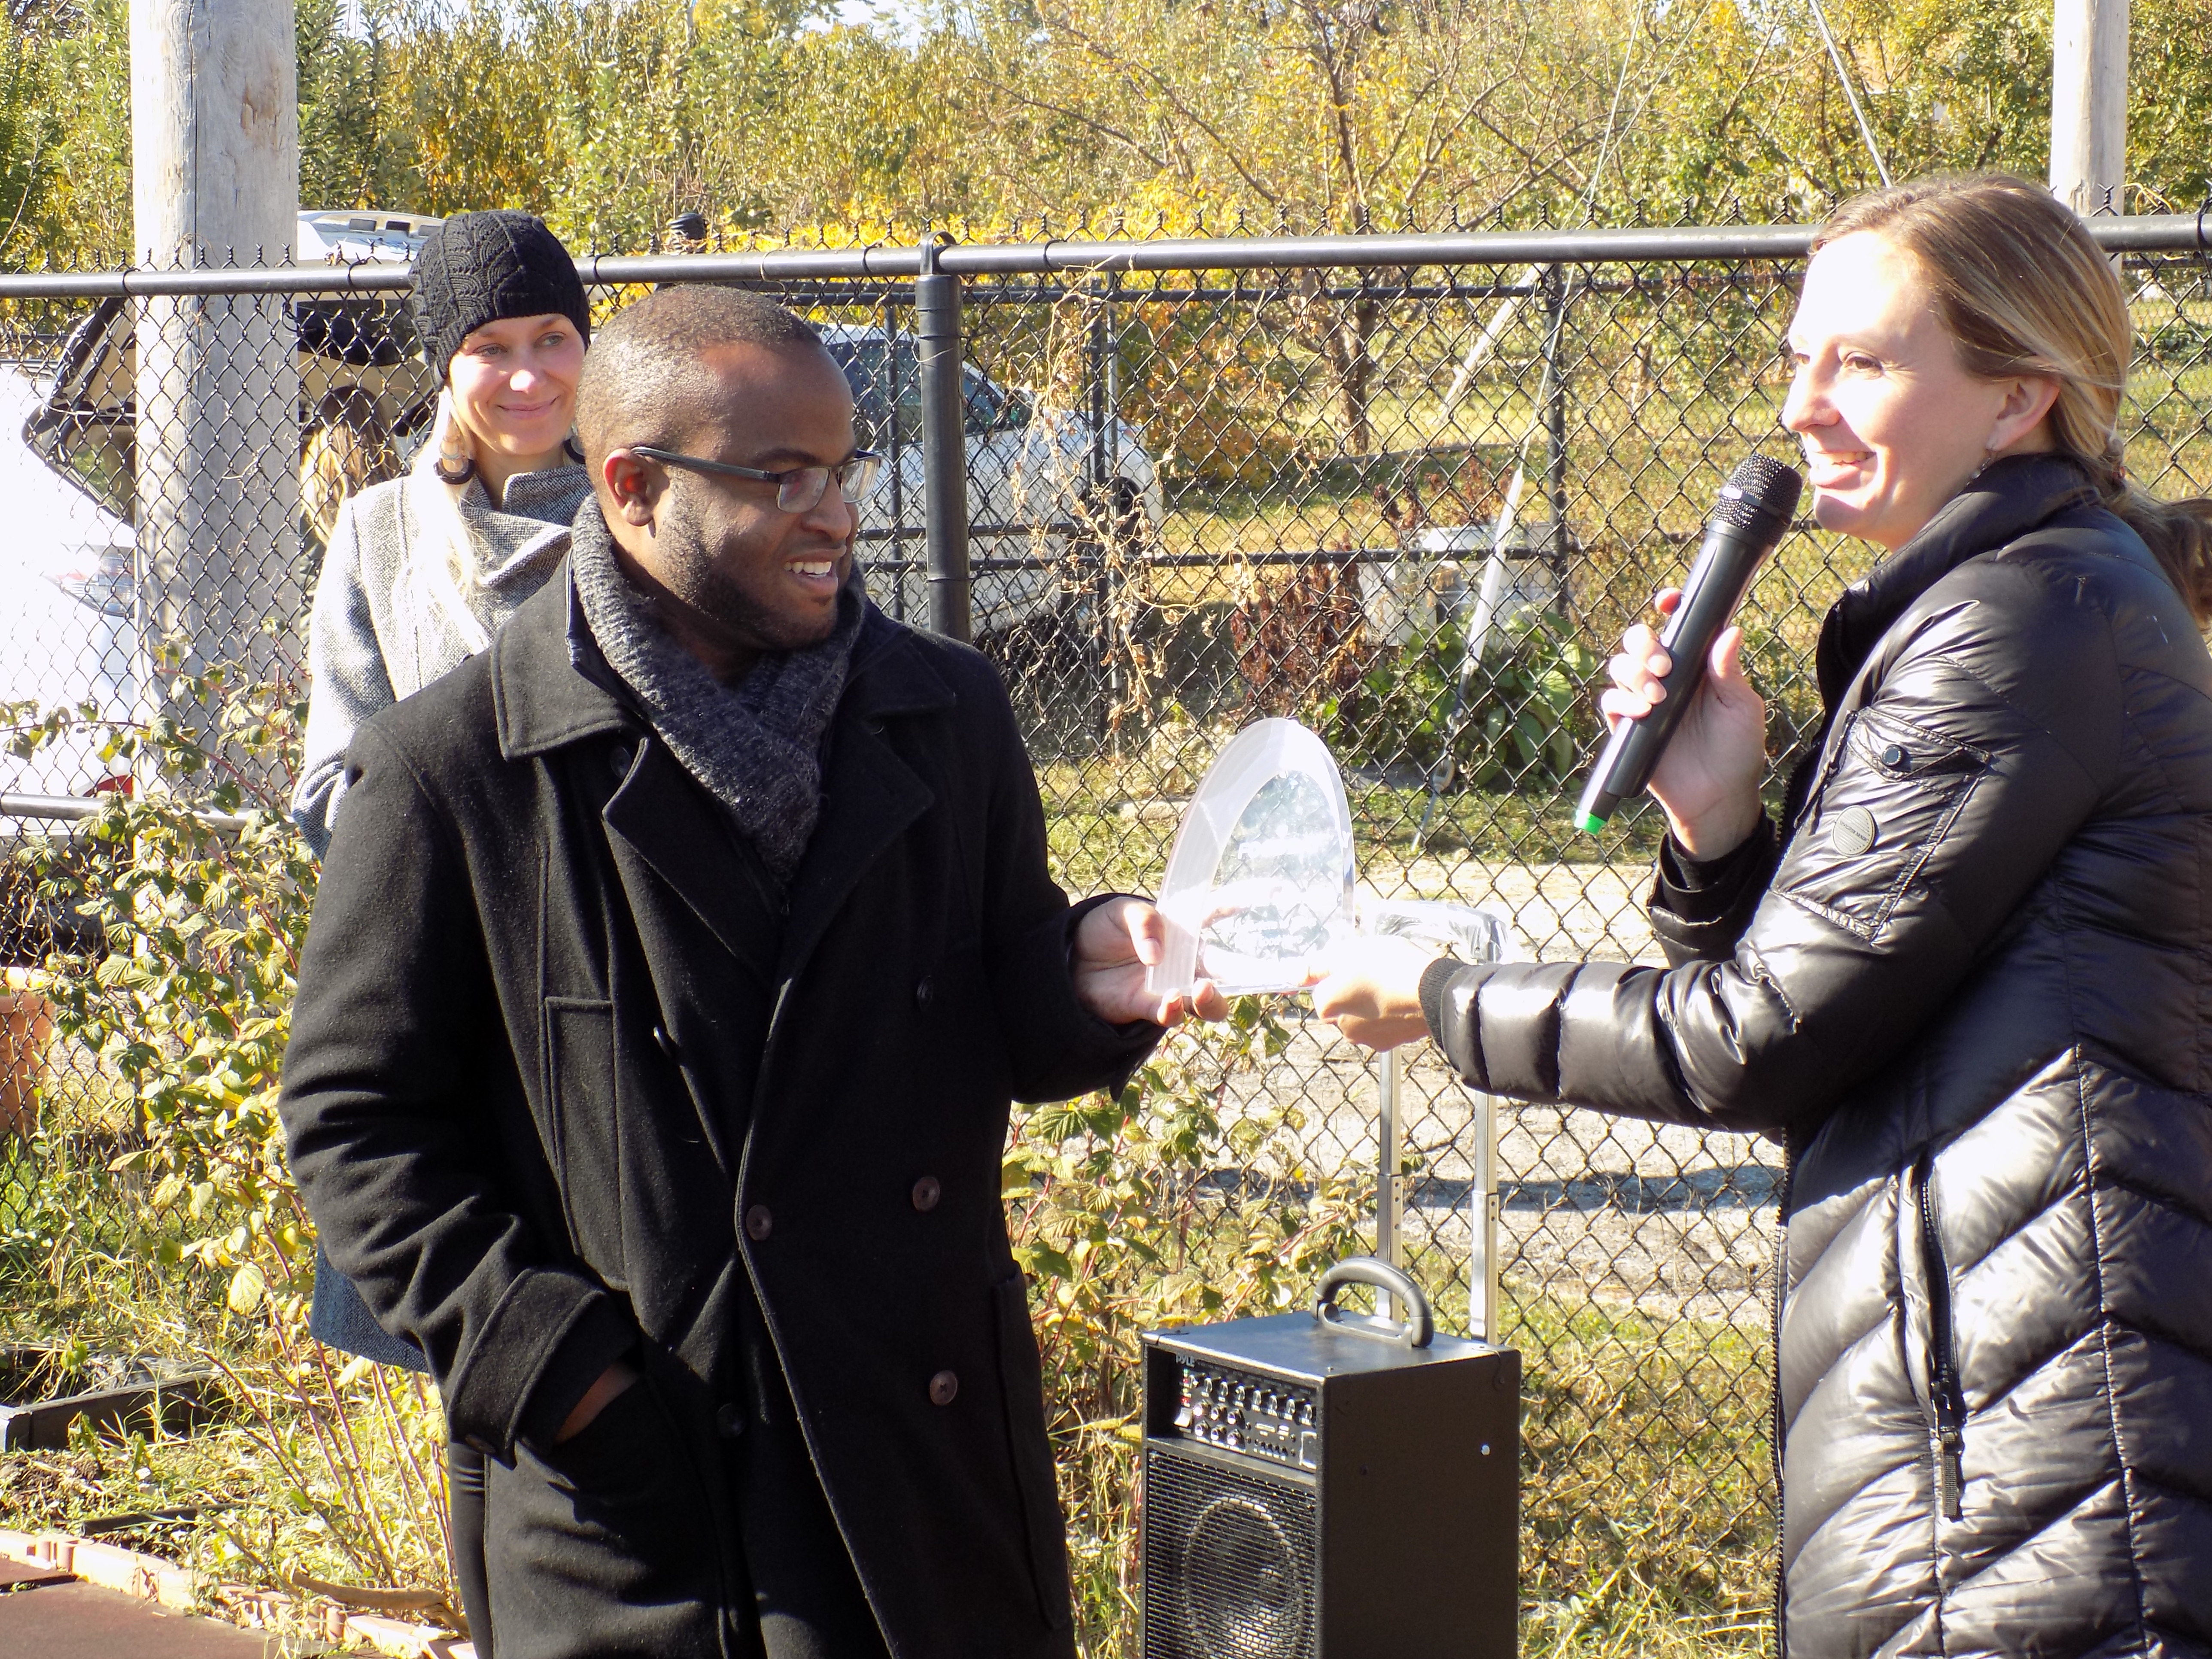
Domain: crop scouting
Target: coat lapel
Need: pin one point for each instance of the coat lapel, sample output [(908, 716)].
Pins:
[(661, 818)]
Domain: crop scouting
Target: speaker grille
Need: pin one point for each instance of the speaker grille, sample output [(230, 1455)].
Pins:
[(1228, 1563)]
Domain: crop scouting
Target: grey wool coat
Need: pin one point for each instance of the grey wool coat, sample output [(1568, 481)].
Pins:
[(371, 642), (569, 1083), (1970, 986)]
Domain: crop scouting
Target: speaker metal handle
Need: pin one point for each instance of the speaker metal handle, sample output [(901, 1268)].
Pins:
[(1416, 1332)]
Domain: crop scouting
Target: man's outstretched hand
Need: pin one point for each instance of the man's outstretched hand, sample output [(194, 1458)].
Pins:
[(1115, 943)]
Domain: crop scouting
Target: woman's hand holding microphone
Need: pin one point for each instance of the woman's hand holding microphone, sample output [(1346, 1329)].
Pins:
[(1707, 778)]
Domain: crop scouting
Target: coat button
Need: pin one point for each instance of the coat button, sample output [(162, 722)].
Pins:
[(942, 1388), (759, 1224), (1897, 757), (730, 1419), (924, 993), (618, 760), (667, 1043), (927, 1191)]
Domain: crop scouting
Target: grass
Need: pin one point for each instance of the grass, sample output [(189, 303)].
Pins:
[(312, 1466)]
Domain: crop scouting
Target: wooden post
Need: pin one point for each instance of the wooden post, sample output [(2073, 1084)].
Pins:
[(2089, 104), (215, 141)]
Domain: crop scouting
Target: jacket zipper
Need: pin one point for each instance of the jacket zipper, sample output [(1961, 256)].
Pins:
[(1947, 1436)]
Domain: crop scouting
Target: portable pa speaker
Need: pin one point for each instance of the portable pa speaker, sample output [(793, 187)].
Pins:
[(1330, 1485)]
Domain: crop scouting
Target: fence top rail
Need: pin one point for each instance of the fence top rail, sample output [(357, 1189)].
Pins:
[(2162, 233)]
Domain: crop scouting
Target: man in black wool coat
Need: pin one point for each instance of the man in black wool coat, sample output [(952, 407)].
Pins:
[(675, 964)]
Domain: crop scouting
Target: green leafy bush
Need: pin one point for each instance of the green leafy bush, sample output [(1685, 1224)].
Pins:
[(1522, 718)]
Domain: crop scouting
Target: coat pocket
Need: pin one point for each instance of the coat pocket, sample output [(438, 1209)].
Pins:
[(606, 1543), (580, 1051), (1891, 795), (1022, 1378)]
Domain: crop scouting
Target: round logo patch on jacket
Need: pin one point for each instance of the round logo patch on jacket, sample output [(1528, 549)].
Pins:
[(1851, 831)]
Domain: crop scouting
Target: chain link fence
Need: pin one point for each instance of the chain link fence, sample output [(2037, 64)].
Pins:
[(1407, 492)]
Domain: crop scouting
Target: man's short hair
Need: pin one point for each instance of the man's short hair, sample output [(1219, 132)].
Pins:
[(645, 379)]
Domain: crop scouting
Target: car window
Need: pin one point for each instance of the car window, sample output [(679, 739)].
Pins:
[(85, 429), (989, 407), (359, 361), (881, 378), (361, 329)]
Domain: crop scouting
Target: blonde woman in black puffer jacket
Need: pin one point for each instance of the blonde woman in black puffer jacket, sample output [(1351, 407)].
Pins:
[(1965, 979)]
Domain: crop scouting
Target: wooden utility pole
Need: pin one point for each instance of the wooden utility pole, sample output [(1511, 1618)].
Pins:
[(215, 150), (2089, 104)]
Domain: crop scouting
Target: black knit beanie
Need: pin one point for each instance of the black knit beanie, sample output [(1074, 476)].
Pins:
[(478, 268)]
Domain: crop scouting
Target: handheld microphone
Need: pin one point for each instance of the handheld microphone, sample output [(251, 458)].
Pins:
[(1755, 507)]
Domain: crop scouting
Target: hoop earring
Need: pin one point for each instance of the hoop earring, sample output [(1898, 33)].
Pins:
[(574, 450), (468, 471)]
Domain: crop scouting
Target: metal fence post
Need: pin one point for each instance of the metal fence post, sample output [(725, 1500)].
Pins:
[(1102, 350), (943, 444), (1555, 409), (894, 443)]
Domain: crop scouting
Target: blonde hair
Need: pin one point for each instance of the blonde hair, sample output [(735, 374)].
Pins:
[(2023, 290), (439, 568), (348, 451)]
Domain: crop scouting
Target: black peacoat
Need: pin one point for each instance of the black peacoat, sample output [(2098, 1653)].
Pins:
[(569, 1080)]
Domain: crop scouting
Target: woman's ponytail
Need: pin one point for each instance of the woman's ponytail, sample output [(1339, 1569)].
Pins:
[(2179, 534), (440, 565)]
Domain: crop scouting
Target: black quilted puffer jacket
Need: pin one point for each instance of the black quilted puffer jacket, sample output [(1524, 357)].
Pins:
[(1968, 983)]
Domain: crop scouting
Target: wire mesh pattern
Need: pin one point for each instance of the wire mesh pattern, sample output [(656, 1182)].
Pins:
[(1411, 507)]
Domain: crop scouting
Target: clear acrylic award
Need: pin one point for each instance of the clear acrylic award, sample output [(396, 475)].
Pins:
[(1261, 882)]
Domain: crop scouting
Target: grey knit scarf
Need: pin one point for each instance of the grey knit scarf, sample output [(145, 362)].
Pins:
[(757, 745)]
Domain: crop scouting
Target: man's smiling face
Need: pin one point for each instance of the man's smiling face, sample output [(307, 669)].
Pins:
[(758, 578)]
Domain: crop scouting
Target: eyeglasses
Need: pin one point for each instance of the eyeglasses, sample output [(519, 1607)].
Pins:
[(797, 489)]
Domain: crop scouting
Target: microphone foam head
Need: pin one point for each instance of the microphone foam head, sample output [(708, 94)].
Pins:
[(1759, 489)]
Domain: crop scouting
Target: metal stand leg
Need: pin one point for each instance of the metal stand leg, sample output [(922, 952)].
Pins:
[(1482, 1224), (1389, 1244)]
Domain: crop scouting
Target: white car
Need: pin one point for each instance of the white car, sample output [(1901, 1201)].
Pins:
[(65, 597), (1034, 496)]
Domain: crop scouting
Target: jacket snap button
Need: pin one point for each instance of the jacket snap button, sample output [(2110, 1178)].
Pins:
[(942, 1387), (927, 1191), (1897, 759), (759, 1224), (730, 1419), (619, 758), (924, 993)]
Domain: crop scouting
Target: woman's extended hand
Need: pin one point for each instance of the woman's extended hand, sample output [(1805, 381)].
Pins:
[(1115, 943), (1708, 778), (1371, 990)]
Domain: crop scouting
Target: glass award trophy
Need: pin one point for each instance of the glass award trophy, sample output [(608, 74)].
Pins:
[(1260, 881), (1260, 884)]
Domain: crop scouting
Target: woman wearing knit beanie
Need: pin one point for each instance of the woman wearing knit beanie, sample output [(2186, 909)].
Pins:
[(420, 572)]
